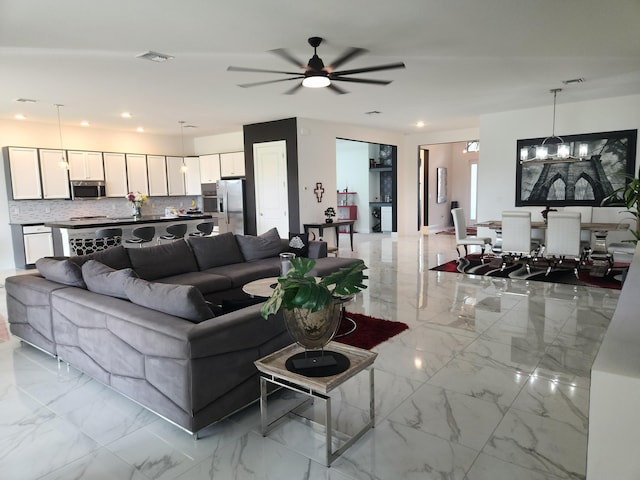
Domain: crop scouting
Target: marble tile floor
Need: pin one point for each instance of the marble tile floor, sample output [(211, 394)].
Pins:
[(490, 382)]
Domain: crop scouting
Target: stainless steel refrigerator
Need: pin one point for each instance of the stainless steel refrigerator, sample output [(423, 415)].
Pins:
[(231, 203)]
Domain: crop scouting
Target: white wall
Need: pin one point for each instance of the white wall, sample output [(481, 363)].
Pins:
[(352, 171), (440, 156), (317, 161), (499, 133), (28, 134), (226, 142)]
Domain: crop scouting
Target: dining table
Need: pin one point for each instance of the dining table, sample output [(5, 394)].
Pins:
[(600, 231)]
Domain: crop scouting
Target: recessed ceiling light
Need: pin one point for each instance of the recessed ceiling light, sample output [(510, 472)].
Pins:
[(139, 129), (84, 123), (420, 124), (125, 115), (155, 56), (26, 100), (20, 116)]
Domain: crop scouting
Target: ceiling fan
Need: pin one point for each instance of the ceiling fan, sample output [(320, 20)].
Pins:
[(315, 74)]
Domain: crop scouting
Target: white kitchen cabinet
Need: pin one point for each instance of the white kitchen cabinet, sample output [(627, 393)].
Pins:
[(232, 164), (85, 165), (55, 176), (386, 221), (38, 242), (115, 174), (137, 173), (192, 179), (209, 168), (157, 171), (175, 176), (25, 173)]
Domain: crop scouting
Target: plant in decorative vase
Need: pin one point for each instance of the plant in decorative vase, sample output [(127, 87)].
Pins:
[(136, 199), (628, 196), (329, 213), (312, 309)]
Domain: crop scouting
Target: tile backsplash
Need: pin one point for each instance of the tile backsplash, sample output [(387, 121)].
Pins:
[(31, 211)]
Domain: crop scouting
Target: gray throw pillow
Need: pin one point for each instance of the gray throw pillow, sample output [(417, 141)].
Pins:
[(164, 260), (183, 301), (216, 251), (264, 246), (105, 280), (61, 270), (114, 257)]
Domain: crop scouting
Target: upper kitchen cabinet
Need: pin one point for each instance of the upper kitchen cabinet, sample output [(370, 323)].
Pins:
[(55, 176), (192, 178), (175, 176), (232, 164), (115, 174), (137, 173), (85, 165), (209, 168), (157, 168), (24, 171)]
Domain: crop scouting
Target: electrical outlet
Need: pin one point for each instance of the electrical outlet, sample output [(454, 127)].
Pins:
[(47, 210), (15, 210)]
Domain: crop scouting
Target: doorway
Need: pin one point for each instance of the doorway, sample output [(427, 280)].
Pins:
[(272, 199)]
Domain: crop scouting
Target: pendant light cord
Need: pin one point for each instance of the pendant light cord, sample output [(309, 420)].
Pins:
[(59, 126)]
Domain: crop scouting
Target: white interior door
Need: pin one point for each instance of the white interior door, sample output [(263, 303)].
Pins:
[(272, 199)]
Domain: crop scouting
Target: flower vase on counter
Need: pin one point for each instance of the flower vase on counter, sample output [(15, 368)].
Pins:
[(136, 199)]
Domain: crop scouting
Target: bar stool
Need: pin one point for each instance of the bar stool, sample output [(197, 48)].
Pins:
[(142, 235), (107, 238), (174, 232), (204, 229)]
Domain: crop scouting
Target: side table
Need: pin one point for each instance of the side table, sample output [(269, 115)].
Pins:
[(272, 370)]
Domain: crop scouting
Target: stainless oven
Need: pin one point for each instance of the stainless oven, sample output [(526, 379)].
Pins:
[(209, 198), (88, 190)]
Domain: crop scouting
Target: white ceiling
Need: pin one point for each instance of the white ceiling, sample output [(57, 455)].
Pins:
[(464, 58)]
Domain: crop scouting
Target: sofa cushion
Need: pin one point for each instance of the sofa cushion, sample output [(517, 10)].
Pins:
[(205, 282), (179, 300), (263, 246), (215, 251), (105, 280), (114, 257), (163, 260), (245, 272), (299, 244), (61, 270)]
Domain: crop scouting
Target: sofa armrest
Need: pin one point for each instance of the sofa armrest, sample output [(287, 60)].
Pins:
[(317, 249)]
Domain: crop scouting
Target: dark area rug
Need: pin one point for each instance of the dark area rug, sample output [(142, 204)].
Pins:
[(472, 264), (369, 332)]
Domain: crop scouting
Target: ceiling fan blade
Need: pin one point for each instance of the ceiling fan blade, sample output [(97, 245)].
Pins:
[(259, 70), (267, 82), (377, 68), (349, 54), (283, 53), (293, 90), (337, 89), (360, 80)]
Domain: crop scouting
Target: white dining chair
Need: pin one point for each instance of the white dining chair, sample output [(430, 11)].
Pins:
[(516, 238), (563, 241), (460, 225), (586, 216)]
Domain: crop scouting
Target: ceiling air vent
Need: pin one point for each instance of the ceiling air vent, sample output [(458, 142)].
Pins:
[(26, 100), (155, 56)]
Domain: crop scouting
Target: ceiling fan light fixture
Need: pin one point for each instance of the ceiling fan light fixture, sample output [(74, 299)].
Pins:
[(316, 81)]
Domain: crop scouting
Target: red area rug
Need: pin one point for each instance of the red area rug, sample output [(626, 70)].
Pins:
[(471, 264), (370, 331)]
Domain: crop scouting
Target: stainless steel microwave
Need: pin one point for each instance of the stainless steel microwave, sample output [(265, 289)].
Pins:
[(88, 190)]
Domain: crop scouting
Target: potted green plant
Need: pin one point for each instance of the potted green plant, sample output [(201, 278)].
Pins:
[(629, 197), (329, 213), (312, 306)]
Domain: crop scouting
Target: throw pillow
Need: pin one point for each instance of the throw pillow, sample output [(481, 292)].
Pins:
[(216, 251), (299, 244), (105, 280), (183, 301), (163, 260), (114, 257), (263, 246), (61, 270)]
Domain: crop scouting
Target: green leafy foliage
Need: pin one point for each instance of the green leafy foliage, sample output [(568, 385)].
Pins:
[(298, 289), (629, 197)]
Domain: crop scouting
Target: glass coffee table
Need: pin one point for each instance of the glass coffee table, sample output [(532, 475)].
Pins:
[(273, 371)]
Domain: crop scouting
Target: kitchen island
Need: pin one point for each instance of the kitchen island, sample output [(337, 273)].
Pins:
[(85, 228)]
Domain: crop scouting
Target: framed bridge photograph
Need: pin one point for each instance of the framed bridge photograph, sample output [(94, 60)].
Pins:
[(574, 169)]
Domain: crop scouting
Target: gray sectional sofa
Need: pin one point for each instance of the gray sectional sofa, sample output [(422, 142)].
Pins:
[(142, 320)]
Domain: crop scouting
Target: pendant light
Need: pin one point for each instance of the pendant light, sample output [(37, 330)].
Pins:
[(183, 168), (63, 160)]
